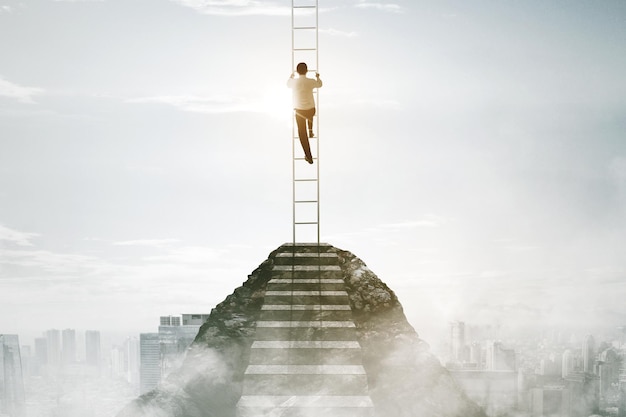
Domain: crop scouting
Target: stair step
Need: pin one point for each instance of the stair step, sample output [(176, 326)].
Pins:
[(305, 370), (297, 285), (306, 281), (306, 307), (307, 299), (311, 293), (306, 315), (306, 344), (305, 356), (303, 384), (316, 323), (288, 273), (306, 401), (303, 333), (307, 255), (298, 268)]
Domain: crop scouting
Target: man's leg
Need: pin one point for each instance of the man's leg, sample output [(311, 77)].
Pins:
[(302, 134), (310, 115)]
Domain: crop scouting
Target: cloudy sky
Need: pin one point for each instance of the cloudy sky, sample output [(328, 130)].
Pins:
[(473, 155)]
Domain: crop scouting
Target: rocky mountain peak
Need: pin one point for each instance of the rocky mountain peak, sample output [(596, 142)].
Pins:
[(235, 355)]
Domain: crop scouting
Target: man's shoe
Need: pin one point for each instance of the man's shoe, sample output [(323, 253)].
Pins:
[(309, 159), (311, 134)]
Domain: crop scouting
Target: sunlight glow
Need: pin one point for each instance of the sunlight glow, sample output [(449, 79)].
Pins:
[(276, 102)]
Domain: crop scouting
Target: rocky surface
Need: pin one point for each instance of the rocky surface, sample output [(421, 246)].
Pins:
[(404, 378)]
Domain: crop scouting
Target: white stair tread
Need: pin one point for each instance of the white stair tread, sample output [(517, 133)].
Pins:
[(312, 323)]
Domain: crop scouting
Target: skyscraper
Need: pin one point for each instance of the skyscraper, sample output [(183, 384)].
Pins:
[(568, 363), (499, 358), (457, 341), (150, 362), (68, 354), (589, 355), (41, 355), (92, 347), (162, 352), (118, 362), (175, 339), (53, 341), (169, 321), (609, 362), (194, 319), (12, 397), (131, 346)]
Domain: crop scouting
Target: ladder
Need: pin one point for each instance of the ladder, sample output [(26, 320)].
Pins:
[(306, 184)]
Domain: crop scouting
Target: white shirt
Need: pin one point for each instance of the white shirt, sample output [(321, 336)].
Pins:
[(303, 91)]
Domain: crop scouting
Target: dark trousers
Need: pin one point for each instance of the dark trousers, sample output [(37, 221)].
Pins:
[(302, 118)]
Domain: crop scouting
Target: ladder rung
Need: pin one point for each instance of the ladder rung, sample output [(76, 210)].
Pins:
[(304, 27), (305, 49), (302, 159), (304, 7), (306, 179), (305, 222), (306, 201)]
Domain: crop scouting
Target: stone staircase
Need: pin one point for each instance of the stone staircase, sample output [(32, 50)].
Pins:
[(305, 360)]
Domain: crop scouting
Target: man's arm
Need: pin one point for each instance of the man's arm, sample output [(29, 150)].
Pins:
[(318, 80)]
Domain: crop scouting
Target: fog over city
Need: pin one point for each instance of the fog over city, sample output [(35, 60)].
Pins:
[(472, 155)]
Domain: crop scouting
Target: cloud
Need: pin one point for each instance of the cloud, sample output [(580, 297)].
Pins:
[(18, 92), (5, 9), (428, 221), (236, 7), (385, 7), (335, 32), (46, 260), (147, 242), (389, 234), (16, 237), (188, 255), (379, 103), (196, 104)]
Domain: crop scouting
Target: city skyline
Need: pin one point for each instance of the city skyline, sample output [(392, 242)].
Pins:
[(504, 375), (472, 155)]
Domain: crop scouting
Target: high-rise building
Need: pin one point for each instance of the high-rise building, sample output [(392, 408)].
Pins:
[(584, 393), (41, 355), (476, 355), (118, 362), (551, 365), (162, 352), (131, 345), (68, 354), (150, 362), (499, 358), (550, 401), (457, 341), (568, 363), (92, 348), (588, 354), (27, 361), (194, 319), (609, 362), (53, 340), (12, 396), (174, 343), (170, 321)]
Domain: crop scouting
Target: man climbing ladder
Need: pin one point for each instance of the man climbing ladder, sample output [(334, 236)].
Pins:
[(304, 105)]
